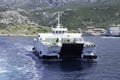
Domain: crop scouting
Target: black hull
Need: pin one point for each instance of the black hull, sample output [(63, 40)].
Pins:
[(49, 57), (112, 35), (71, 50), (90, 57)]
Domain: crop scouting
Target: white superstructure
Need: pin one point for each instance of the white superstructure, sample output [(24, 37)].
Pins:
[(61, 44), (113, 30)]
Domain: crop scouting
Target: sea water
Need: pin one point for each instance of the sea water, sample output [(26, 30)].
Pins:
[(17, 62)]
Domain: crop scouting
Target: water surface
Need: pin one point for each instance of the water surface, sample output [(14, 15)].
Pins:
[(18, 63)]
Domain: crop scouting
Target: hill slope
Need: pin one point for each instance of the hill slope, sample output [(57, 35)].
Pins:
[(73, 16)]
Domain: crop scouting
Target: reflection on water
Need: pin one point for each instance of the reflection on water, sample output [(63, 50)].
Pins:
[(70, 65), (76, 65), (66, 69)]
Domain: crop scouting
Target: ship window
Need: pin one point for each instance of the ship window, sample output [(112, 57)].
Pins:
[(38, 35), (60, 32)]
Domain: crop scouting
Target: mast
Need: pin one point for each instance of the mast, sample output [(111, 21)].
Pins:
[(59, 29), (58, 26)]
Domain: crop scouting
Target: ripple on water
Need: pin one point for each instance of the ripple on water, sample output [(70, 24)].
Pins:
[(18, 63)]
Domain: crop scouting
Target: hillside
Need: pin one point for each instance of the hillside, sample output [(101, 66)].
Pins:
[(79, 17), (23, 30), (98, 16), (41, 4), (73, 15)]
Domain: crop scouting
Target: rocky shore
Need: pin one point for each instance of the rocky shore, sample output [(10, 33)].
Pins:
[(15, 35)]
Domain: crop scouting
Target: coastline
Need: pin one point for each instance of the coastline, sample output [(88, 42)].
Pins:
[(15, 35)]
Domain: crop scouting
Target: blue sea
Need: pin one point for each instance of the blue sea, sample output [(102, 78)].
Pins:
[(17, 62)]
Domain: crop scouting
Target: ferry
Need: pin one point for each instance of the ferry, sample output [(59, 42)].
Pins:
[(60, 44), (113, 31)]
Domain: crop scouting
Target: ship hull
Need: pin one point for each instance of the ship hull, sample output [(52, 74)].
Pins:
[(66, 51)]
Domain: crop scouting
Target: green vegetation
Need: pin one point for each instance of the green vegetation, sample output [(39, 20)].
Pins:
[(74, 16), (98, 16), (25, 29), (2, 26)]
